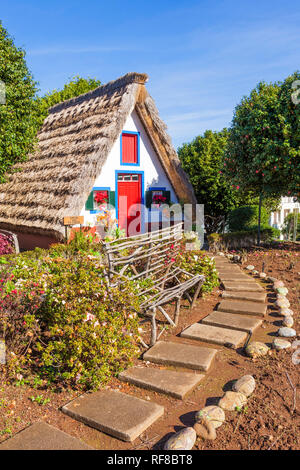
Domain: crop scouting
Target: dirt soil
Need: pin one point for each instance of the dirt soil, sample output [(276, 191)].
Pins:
[(269, 421)]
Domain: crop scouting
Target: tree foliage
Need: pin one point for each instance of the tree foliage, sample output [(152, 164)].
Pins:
[(245, 218), (202, 160), (17, 120), (263, 146), (75, 87), (24, 112)]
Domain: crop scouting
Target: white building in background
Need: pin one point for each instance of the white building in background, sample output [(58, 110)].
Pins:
[(287, 206)]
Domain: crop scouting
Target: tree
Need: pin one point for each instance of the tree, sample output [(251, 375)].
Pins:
[(202, 160), (262, 151), (17, 121), (75, 87), (289, 99)]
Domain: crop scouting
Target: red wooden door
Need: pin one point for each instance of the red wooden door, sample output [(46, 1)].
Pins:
[(129, 193)]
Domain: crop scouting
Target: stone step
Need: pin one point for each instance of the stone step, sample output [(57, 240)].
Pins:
[(170, 382), (214, 334), (238, 286), (235, 277), (251, 296), (181, 355), (232, 321), (114, 413), (42, 436), (242, 307), (223, 263), (229, 271)]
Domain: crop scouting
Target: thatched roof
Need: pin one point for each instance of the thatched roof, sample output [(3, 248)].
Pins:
[(73, 145)]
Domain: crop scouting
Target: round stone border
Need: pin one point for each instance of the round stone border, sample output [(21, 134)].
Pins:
[(205, 426)]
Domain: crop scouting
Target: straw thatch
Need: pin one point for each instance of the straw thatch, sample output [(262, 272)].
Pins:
[(74, 143)]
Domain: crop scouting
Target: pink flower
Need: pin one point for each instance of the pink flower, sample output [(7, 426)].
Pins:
[(89, 316)]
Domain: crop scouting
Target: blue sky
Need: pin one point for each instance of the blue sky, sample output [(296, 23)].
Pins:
[(201, 56)]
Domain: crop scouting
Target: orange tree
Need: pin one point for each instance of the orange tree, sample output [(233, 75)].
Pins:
[(263, 146)]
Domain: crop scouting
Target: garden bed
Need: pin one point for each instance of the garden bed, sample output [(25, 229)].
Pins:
[(266, 423)]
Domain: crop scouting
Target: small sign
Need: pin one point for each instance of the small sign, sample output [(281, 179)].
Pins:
[(74, 220), (2, 352)]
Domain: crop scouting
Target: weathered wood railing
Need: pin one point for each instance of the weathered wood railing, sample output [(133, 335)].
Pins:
[(151, 257)]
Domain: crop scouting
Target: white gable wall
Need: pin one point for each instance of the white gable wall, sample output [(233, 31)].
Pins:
[(154, 174)]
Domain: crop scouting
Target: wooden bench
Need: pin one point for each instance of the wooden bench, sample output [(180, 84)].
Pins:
[(151, 257)]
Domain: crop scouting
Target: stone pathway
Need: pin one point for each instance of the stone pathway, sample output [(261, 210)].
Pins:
[(215, 334), (115, 413), (181, 355), (243, 307), (42, 436), (126, 417), (234, 286), (170, 382), (232, 321)]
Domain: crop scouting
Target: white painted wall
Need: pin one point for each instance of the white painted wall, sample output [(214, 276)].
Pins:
[(287, 206), (154, 174)]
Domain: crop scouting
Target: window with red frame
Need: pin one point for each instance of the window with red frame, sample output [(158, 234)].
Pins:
[(129, 148)]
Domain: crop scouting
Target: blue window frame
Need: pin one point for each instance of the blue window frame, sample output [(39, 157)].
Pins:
[(153, 188), (99, 188), (138, 149)]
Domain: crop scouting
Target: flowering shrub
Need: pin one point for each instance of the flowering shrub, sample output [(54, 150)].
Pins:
[(90, 330), (5, 246), (60, 321), (108, 225), (197, 263), (18, 325)]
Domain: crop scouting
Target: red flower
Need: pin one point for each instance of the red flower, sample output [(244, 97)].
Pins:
[(158, 199), (101, 197)]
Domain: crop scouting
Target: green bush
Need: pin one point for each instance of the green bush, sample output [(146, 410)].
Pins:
[(64, 324), (246, 218), (196, 262)]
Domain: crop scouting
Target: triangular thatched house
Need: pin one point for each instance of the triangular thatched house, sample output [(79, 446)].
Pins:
[(111, 141)]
